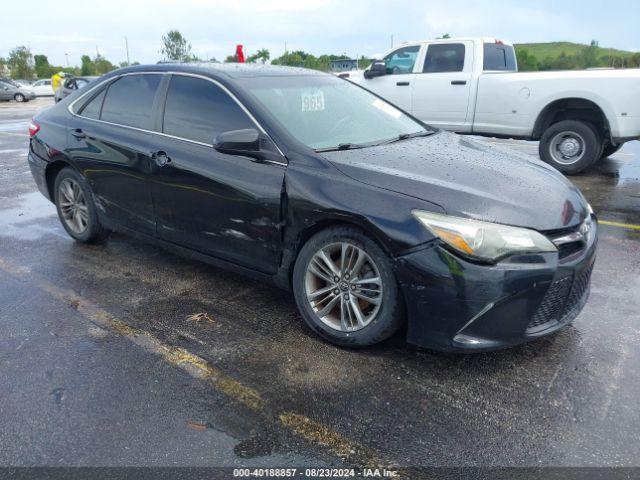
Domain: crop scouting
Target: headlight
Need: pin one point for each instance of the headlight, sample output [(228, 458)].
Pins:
[(483, 240)]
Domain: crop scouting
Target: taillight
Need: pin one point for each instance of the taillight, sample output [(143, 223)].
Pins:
[(34, 128)]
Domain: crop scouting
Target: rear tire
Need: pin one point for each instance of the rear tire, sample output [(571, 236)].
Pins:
[(610, 149), (367, 304), (570, 146), (18, 97), (76, 207)]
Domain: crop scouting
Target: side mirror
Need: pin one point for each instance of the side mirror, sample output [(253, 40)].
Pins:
[(377, 69), (244, 142)]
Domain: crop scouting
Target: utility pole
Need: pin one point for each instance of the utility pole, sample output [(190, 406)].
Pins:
[(391, 40), (67, 55), (285, 46), (126, 46)]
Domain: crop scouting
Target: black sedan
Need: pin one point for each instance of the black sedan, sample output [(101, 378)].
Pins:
[(369, 216)]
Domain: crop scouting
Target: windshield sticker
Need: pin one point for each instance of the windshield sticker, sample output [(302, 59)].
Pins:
[(313, 101), (386, 108)]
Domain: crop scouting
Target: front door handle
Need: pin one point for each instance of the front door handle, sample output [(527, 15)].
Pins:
[(458, 82), (402, 84), (78, 133), (161, 158)]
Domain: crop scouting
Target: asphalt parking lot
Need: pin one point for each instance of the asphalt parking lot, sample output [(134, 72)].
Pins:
[(123, 354)]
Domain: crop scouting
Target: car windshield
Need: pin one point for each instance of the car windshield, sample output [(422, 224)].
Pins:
[(325, 112)]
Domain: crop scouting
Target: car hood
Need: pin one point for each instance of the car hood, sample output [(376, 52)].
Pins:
[(471, 179)]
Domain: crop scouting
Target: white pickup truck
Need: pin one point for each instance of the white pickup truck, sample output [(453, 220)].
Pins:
[(472, 85)]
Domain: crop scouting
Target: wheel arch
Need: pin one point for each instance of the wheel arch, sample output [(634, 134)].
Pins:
[(572, 108), (51, 172), (302, 236)]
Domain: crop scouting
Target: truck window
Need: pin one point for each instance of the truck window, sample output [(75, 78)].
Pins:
[(444, 57), (402, 60), (499, 57)]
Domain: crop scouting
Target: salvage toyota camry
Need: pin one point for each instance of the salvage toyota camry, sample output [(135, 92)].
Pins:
[(370, 217)]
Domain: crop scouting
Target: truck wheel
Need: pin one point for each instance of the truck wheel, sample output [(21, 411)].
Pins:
[(345, 288), (570, 146), (610, 149)]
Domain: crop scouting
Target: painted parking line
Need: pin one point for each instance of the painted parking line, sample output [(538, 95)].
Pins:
[(609, 223), (300, 425), (15, 134)]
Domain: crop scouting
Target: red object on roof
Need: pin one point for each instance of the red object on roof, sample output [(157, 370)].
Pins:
[(239, 54)]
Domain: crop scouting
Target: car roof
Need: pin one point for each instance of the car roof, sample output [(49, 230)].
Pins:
[(230, 70)]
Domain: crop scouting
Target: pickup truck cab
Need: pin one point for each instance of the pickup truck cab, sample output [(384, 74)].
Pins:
[(472, 85)]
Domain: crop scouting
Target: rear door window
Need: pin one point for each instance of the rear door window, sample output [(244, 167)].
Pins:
[(499, 57), (444, 57), (129, 101), (197, 109)]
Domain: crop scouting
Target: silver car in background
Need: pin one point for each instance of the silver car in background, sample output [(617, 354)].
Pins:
[(70, 85), (14, 91)]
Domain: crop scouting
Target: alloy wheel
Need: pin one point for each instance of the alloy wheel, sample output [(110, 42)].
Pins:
[(343, 286), (73, 205)]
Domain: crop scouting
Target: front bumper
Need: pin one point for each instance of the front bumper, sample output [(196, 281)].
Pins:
[(456, 305)]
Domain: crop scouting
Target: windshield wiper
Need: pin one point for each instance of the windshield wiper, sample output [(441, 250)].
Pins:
[(353, 146), (404, 136), (341, 146)]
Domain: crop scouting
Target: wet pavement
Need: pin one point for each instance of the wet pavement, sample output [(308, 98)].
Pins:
[(124, 354)]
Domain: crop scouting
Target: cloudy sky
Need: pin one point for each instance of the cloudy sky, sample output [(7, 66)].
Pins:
[(353, 27)]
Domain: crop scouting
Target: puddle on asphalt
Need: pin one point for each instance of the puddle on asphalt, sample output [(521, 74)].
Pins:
[(24, 221)]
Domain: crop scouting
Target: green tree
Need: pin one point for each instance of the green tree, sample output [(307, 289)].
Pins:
[(634, 61), (42, 67), (446, 35), (3, 64), (363, 62), (230, 59), (589, 55), (20, 62), (175, 46), (526, 61), (87, 67), (102, 65), (263, 55)]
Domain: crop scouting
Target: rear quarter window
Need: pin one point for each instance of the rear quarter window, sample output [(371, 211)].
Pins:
[(499, 57), (94, 107)]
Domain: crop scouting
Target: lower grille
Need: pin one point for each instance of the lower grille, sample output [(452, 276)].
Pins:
[(580, 288), (561, 300)]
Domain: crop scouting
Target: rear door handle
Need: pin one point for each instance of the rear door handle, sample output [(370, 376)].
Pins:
[(402, 84), (458, 82), (78, 133), (161, 158)]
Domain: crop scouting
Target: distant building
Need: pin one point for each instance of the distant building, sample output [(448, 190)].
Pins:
[(345, 65)]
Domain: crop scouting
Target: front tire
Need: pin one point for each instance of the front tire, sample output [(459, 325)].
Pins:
[(570, 146), (76, 208), (18, 97), (345, 288)]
